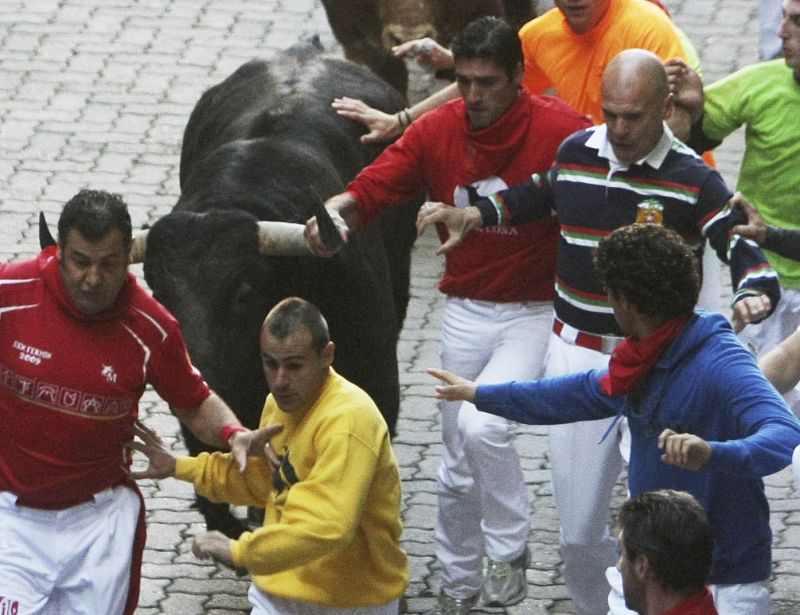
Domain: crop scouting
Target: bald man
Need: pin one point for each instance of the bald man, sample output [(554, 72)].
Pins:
[(630, 169)]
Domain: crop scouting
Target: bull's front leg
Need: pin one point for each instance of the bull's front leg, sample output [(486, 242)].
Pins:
[(219, 517)]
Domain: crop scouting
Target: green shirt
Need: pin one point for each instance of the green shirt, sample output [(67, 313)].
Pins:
[(766, 99)]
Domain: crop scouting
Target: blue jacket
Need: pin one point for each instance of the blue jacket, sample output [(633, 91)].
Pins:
[(705, 383)]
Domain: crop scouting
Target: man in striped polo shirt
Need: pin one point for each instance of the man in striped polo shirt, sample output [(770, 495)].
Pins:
[(630, 169)]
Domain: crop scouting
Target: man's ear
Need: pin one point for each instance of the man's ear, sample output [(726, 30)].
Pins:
[(641, 567), (328, 353), (669, 106)]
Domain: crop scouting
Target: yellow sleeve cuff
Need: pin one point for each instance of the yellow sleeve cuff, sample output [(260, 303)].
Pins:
[(237, 550), (186, 468)]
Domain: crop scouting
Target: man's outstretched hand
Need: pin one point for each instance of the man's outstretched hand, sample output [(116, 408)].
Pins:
[(428, 53), (756, 228), (459, 222), (382, 127), (684, 450), (161, 461), (246, 444), (454, 388)]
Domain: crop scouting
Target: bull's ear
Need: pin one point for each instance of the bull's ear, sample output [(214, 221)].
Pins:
[(45, 237)]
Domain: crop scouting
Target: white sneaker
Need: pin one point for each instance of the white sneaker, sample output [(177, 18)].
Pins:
[(446, 605), (505, 583)]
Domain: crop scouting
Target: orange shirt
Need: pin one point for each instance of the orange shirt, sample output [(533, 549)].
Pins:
[(572, 64)]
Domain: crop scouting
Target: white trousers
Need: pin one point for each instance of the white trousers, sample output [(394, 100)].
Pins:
[(584, 471), (710, 290), (76, 560), (482, 495), (268, 604), (734, 599), (742, 599), (768, 334), (796, 468)]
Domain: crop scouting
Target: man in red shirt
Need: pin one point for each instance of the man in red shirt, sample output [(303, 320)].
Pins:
[(79, 342), (499, 289)]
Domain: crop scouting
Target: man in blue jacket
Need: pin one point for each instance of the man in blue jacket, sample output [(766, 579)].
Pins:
[(630, 169), (702, 417)]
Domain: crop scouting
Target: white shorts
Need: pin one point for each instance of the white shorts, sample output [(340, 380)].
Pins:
[(268, 604), (76, 560)]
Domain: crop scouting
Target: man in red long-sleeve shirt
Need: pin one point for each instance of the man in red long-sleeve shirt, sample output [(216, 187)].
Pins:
[(79, 341), (499, 289)]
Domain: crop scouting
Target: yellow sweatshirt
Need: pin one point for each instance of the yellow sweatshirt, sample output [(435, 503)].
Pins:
[(332, 526)]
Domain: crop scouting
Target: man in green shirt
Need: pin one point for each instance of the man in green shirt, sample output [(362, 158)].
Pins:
[(765, 98)]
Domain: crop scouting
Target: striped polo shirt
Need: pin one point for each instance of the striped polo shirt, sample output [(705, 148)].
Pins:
[(593, 194)]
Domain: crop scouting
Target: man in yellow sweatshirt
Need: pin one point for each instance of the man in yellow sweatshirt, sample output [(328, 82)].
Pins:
[(328, 480)]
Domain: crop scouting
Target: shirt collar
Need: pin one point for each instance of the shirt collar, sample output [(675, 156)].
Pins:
[(599, 140)]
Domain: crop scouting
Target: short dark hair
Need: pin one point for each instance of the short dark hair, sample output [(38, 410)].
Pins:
[(492, 39), (293, 313), (670, 528), (94, 214), (652, 267)]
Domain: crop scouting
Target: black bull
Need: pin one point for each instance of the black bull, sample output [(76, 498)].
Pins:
[(264, 144)]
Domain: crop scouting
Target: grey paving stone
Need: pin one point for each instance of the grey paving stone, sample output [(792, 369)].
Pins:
[(98, 93), (178, 602)]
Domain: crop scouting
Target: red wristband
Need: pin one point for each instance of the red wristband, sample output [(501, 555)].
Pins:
[(227, 431)]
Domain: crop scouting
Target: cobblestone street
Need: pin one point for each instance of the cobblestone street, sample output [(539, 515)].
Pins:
[(96, 93)]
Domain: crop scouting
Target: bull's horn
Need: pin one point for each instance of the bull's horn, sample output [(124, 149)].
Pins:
[(45, 236), (138, 247), (282, 239)]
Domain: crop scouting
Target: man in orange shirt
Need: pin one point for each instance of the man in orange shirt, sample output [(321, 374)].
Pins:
[(566, 51), (568, 48)]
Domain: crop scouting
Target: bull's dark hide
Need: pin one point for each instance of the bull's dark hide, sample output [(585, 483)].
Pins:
[(265, 144)]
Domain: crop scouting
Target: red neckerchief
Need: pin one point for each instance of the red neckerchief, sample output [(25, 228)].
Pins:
[(702, 603), (492, 149), (633, 358), (50, 270)]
